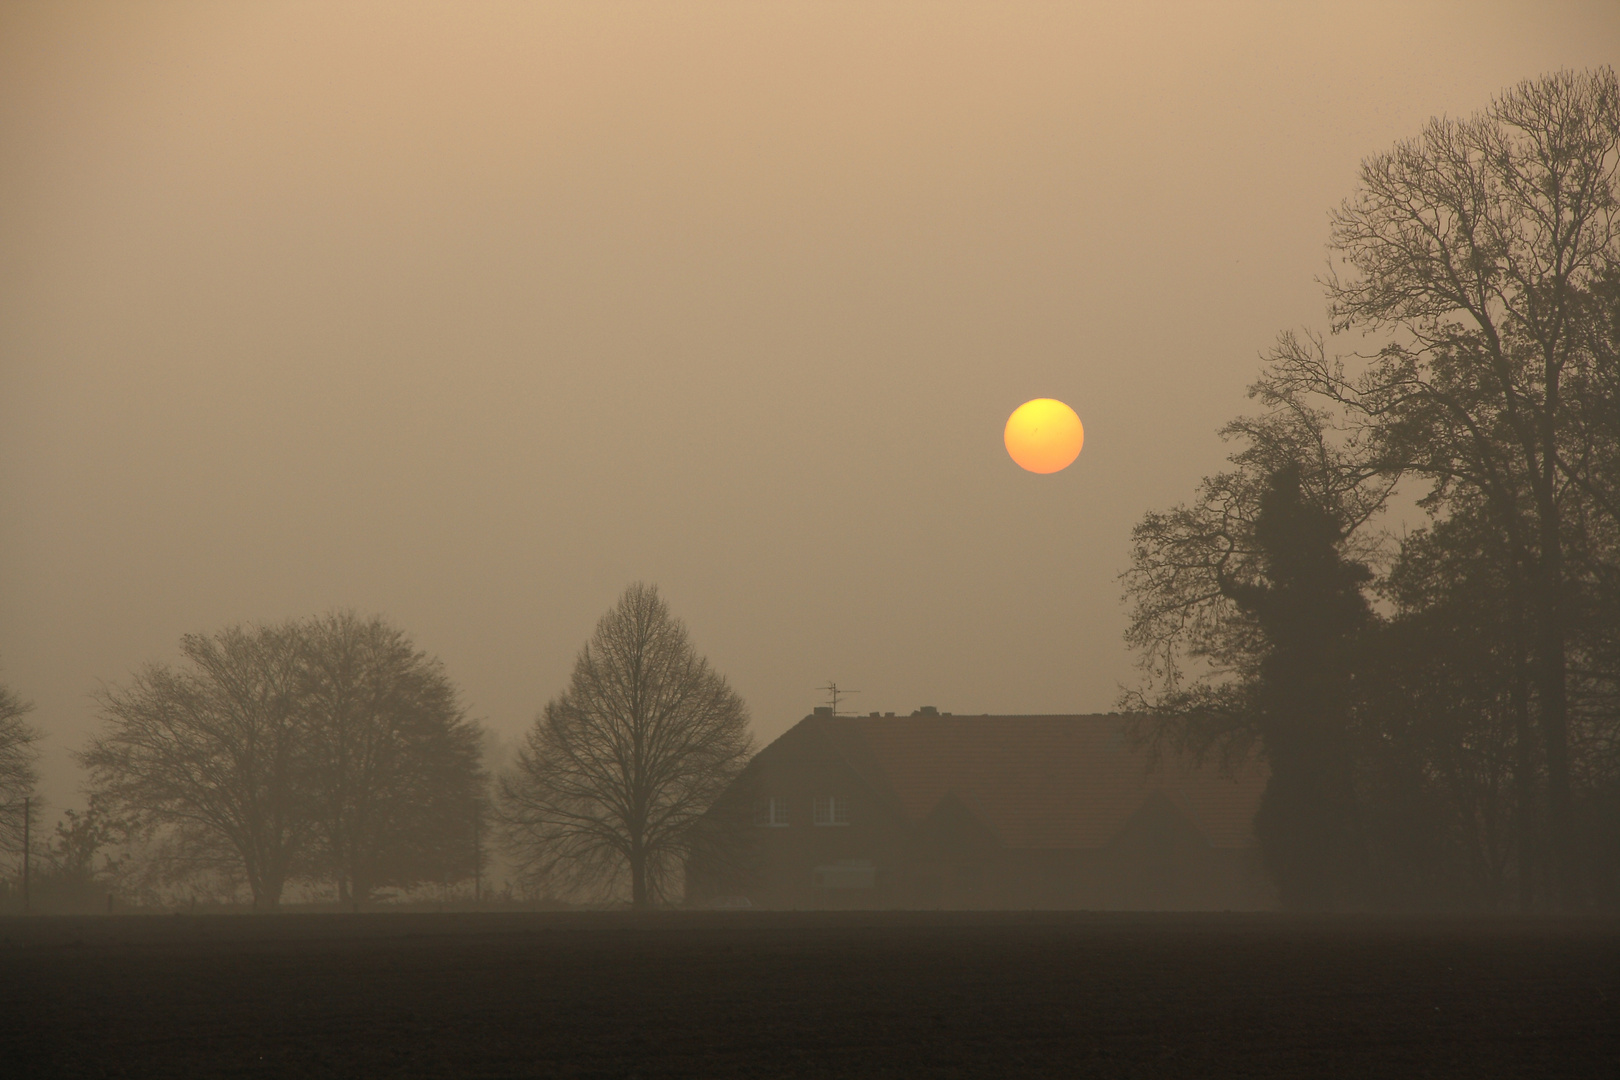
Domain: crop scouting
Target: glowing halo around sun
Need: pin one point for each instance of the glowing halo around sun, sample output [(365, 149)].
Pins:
[(1044, 435)]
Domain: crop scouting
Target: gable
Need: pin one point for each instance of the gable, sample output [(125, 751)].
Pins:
[(812, 760)]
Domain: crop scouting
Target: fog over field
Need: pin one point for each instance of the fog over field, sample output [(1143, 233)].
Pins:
[(470, 315)]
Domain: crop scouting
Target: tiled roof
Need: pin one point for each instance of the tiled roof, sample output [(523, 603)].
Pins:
[(1039, 781)]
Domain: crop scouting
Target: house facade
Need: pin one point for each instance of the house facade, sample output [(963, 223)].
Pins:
[(949, 811)]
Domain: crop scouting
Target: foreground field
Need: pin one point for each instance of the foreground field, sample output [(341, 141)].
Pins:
[(754, 994)]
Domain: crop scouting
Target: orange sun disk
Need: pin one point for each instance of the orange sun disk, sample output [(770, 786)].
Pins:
[(1044, 435)]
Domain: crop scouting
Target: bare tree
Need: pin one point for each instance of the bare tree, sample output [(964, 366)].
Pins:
[(1484, 248), (1198, 650), (617, 772), (17, 773), (213, 752), (394, 777), (1486, 254)]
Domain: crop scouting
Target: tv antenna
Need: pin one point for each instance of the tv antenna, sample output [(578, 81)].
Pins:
[(834, 693)]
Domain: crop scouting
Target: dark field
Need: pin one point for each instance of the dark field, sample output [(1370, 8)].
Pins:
[(753, 994)]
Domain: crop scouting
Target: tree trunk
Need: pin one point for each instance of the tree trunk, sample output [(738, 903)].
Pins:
[(266, 892), (1555, 739), (1524, 765), (255, 880), (1523, 778), (1552, 673), (360, 887), (267, 877), (638, 877)]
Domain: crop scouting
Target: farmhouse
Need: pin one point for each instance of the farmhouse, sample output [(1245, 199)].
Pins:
[(934, 810)]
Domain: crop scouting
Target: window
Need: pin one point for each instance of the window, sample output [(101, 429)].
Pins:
[(771, 812), (833, 810)]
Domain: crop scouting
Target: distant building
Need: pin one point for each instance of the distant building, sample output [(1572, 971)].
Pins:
[(935, 810)]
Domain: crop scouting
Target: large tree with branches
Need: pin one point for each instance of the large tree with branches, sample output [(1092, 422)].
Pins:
[(393, 769), (613, 781), (1482, 258), (321, 748), (1483, 250), (214, 752)]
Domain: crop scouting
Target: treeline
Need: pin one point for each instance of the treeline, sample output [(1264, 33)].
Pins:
[(331, 753), (1440, 709), (328, 751), (325, 749)]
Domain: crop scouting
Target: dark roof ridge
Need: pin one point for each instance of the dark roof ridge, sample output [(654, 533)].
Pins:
[(1036, 780)]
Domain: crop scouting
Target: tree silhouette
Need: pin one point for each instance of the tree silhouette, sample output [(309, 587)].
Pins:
[(392, 762), (326, 747), (1486, 254), (214, 752), (1486, 249), (617, 772), (1310, 608)]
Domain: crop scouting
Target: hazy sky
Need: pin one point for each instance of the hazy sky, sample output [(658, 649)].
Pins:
[(473, 314)]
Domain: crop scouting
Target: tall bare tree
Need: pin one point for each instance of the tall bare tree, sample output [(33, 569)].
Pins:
[(215, 751), (17, 773), (394, 774), (617, 772), (1485, 256), (1200, 650), (1483, 248)]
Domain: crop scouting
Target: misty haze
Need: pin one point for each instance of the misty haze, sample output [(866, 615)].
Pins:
[(721, 539)]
